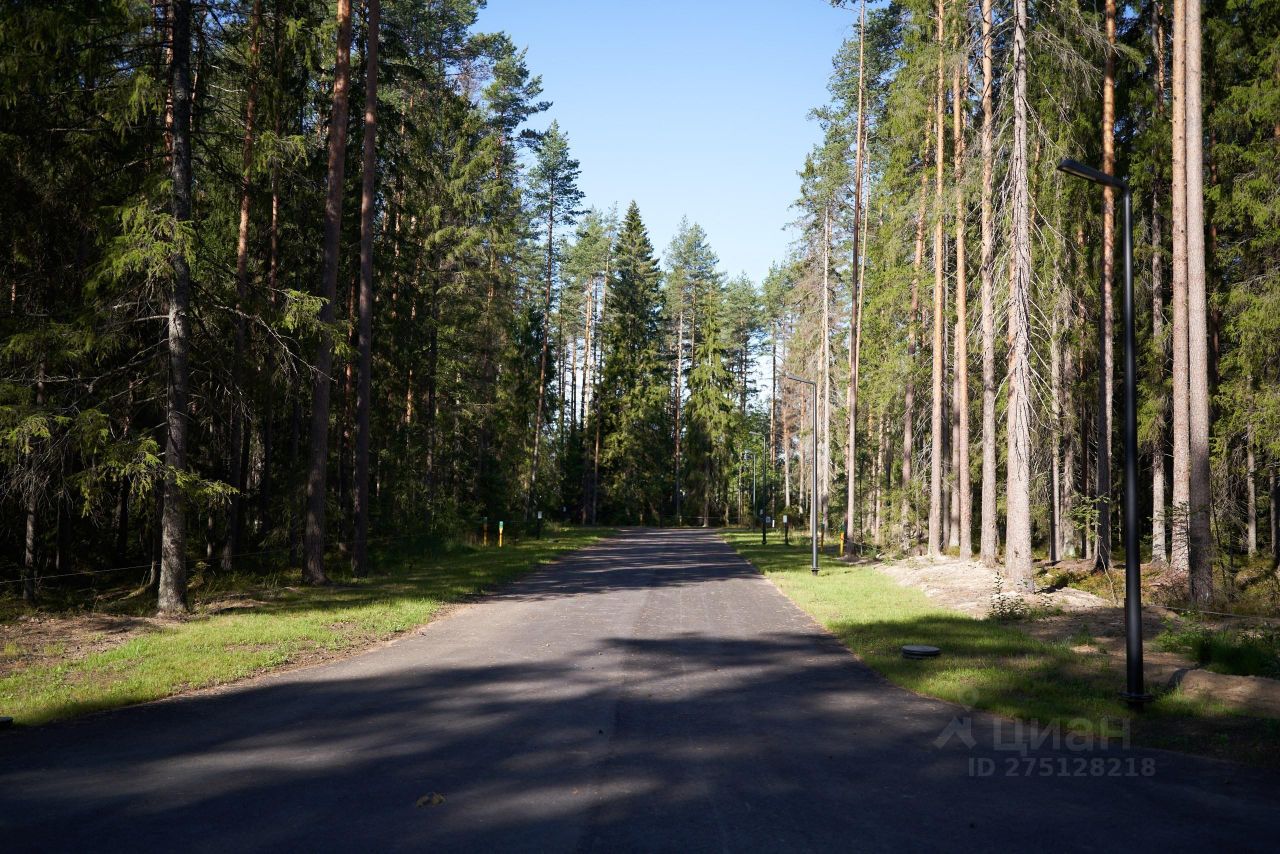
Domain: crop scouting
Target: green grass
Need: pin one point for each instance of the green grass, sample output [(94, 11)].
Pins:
[(408, 587), (992, 665), (1235, 653)]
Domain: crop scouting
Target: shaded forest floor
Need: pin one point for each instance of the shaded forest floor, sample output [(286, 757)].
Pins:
[(61, 663), (1042, 661)]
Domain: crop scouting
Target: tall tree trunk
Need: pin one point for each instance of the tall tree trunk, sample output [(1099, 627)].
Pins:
[(1274, 491), (939, 296), (909, 393), (773, 395), (786, 462), (989, 540), (30, 542), (173, 560), (313, 571), (273, 274), (166, 11), (1106, 371), (1159, 549), (706, 492), (676, 375), (595, 397), (855, 305), (588, 369), (1159, 546), (364, 345), (1181, 555), (30, 539), (542, 361), (1018, 484), (803, 493), (122, 523), (1055, 428), (235, 515), (573, 379), (824, 405), (1197, 319), (62, 533), (961, 404), (431, 410), (882, 466), (1067, 516), (1084, 533), (562, 362), (948, 496), (273, 258), (772, 470), (1251, 492)]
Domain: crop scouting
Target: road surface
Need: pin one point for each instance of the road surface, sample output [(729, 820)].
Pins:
[(650, 693)]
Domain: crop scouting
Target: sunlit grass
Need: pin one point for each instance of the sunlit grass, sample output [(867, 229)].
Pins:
[(992, 665), (408, 587)]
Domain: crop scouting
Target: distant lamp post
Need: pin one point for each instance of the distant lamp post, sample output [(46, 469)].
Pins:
[(813, 500), (766, 508), (1135, 692)]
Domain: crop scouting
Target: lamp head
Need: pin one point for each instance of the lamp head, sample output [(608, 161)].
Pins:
[(1077, 169)]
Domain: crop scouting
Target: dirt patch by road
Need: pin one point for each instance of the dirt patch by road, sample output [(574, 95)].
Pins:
[(968, 586), (35, 640)]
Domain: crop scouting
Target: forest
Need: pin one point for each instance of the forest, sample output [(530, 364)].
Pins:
[(287, 278), (1000, 420)]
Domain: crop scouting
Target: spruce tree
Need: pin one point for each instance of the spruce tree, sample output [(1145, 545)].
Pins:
[(632, 389)]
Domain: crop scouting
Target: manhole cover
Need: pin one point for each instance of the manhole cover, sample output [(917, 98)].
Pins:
[(914, 650)]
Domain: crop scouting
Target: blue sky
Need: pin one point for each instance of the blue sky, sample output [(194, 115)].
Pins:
[(693, 108)]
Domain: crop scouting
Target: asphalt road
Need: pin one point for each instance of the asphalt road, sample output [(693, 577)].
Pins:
[(652, 693)]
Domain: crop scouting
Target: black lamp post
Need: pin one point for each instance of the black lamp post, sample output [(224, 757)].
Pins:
[(813, 500), (1135, 692)]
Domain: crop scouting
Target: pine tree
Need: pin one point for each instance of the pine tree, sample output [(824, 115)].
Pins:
[(962, 512), (318, 451), (364, 301), (1201, 577), (1018, 483), (1106, 373), (989, 540), (555, 197), (938, 126)]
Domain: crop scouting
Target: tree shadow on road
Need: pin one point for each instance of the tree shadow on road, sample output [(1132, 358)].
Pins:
[(775, 742)]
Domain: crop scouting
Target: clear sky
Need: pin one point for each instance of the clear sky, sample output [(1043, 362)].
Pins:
[(689, 107)]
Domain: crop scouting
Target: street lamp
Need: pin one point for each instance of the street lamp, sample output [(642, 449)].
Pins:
[(1135, 692), (813, 500)]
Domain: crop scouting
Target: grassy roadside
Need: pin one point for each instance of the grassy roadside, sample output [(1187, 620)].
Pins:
[(274, 627), (992, 665)]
